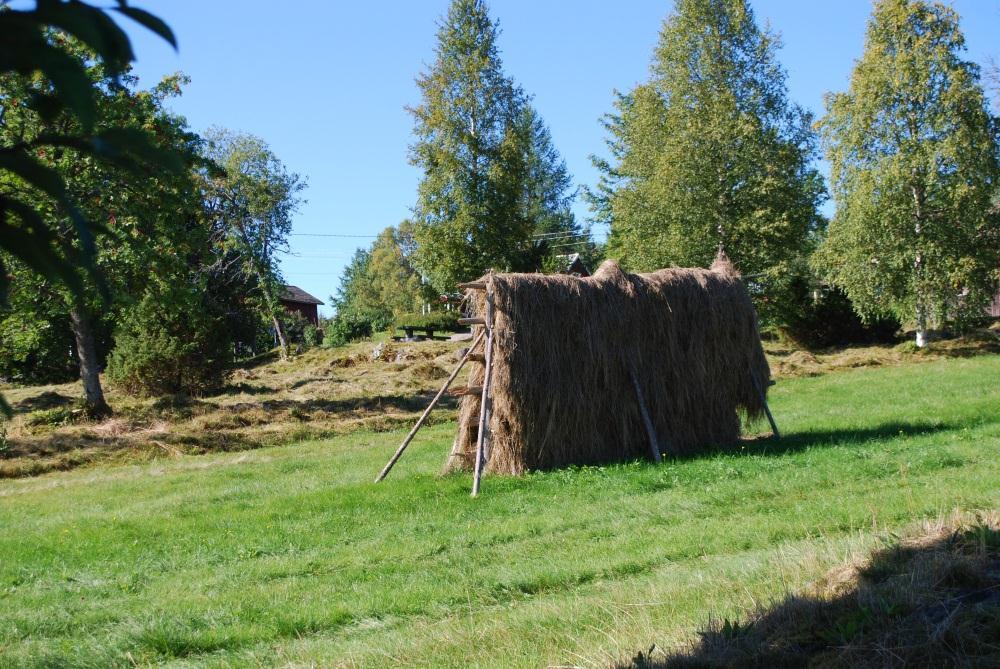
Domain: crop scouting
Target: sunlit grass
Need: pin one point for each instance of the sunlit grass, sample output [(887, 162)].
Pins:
[(291, 556)]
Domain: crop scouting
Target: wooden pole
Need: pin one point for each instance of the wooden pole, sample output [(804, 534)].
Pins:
[(654, 443), (763, 400), (427, 411), (484, 404)]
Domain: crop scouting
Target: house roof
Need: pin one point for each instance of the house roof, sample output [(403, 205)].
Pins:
[(296, 294)]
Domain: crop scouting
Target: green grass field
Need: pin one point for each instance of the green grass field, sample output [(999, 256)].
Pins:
[(290, 556)]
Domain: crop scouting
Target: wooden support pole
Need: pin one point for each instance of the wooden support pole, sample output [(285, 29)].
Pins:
[(472, 285), (767, 409), (427, 411), (654, 443), (471, 321), (484, 404)]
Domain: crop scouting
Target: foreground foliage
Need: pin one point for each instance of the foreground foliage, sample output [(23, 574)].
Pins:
[(291, 556)]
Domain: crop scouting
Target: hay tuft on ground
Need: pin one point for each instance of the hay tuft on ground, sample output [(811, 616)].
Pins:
[(567, 349)]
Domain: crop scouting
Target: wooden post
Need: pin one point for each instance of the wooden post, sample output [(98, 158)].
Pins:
[(654, 443), (484, 404), (763, 400), (427, 411)]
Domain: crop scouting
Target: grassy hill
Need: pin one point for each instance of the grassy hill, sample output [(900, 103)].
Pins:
[(319, 394), (290, 556)]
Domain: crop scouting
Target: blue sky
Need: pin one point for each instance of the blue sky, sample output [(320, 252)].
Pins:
[(326, 85)]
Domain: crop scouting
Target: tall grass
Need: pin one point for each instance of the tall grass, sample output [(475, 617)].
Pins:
[(291, 556)]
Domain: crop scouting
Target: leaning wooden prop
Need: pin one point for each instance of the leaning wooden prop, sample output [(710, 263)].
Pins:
[(607, 368)]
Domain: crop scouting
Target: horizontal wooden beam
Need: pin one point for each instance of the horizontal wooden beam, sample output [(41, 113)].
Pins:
[(472, 321), (467, 390), (472, 285)]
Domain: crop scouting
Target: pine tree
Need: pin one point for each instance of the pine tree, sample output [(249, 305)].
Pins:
[(481, 199), (913, 158), (710, 152)]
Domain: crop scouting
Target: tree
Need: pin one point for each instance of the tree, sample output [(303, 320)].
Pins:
[(488, 183), (395, 283), (32, 43), (169, 342), (710, 153), (913, 155), (548, 197), (143, 211), (379, 285), (252, 201)]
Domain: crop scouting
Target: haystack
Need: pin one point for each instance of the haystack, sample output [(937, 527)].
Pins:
[(572, 355)]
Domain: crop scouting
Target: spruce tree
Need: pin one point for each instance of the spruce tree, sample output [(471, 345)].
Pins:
[(913, 155), (481, 200), (709, 152)]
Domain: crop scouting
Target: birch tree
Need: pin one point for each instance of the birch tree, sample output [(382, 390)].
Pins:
[(913, 155)]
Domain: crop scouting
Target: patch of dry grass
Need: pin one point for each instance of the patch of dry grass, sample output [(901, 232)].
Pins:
[(318, 394), (788, 360)]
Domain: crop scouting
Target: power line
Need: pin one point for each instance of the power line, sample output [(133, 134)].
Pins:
[(323, 234)]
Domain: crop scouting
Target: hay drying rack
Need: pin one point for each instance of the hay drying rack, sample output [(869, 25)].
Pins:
[(485, 337)]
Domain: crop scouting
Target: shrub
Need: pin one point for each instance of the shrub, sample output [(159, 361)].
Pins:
[(829, 319), (168, 344), (353, 325), (312, 335), (443, 321)]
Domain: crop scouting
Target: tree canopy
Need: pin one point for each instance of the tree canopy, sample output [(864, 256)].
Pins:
[(491, 180), (913, 155), (709, 152)]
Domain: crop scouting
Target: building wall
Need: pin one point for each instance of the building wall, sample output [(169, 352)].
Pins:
[(309, 311)]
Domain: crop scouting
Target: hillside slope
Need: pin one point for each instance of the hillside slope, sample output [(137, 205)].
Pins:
[(290, 556), (320, 393)]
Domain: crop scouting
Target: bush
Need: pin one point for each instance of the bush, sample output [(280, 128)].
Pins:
[(312, 335), (442, 321), (353, 325), (167, 344), (831, 320)]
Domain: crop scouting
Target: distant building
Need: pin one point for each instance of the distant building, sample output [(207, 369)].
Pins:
[(994, 308), (574, 265), (297, 301)]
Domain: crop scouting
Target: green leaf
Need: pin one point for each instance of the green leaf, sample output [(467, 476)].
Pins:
[(90, 25), (33, 244), (150, 21), (40, 176)]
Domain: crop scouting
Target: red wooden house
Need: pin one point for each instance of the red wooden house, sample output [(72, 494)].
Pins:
[(296, 300)]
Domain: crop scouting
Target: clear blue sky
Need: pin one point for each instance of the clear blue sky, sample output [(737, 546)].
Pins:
[(326, 83)]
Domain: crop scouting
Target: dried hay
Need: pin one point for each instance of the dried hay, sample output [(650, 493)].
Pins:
[(566, 349)]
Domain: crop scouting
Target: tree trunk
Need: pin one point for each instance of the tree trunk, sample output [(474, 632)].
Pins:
[(919, 198), (280, 334), (86, 353), (921, 325)]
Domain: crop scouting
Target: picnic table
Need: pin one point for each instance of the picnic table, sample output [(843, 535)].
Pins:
[(408, 331)]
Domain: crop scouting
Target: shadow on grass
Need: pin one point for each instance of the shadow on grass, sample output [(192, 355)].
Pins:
[(46, 400), (931, 601), (800, 441)]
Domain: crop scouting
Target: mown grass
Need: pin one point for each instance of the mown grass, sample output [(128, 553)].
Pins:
[(290, 556)]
